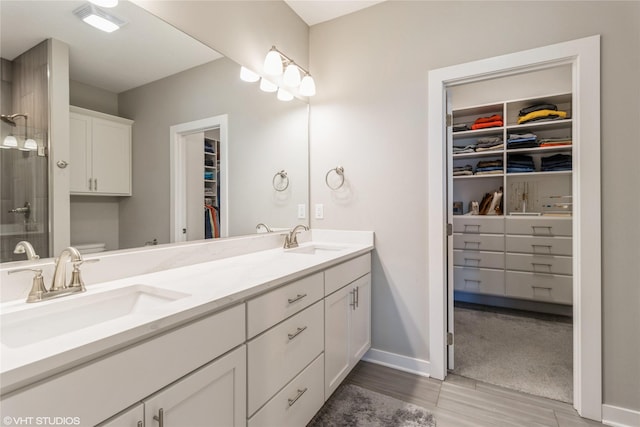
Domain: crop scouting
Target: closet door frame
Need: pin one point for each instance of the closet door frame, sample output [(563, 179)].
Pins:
[(584, 57)]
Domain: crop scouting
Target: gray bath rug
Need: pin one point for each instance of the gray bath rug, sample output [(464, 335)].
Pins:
[(353, 406), (529, 355)]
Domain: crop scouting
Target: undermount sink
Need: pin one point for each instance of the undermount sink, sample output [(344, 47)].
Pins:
[(63, 316), (314, 249)]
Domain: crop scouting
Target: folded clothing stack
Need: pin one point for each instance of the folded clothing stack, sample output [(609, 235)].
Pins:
[(208, 175), (555, 142), (489, 167), (460, 127), (540, 112), (557, 162), (466, 149), (208, 147), (522, 140), (519, 163), (487, 143), (462, 170), (488, 122)]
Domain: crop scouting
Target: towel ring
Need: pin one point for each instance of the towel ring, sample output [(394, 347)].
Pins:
[(281, 184), (339, 170)]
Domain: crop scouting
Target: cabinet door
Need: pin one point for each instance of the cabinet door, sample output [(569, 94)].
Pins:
[(361, 320), (111, 159), (79, 153), (214, 395), (130, 418), (337, 316)]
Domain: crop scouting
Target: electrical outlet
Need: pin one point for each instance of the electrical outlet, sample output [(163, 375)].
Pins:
[(302, 211), (319, 211)]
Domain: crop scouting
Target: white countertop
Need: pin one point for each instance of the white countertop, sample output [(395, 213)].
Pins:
[(210, 286)]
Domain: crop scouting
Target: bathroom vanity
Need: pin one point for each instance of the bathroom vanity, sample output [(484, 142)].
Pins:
[(258, 339)]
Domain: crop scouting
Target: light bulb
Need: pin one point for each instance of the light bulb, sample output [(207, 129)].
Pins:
[(283, 95), (105, 3), (273, 63), (291, 76), (307, 86), (30, 145), (248, 76), (267, 86), (10, 141)]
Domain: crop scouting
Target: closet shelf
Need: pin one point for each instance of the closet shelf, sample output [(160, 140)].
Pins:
[(559, 148), (493, 175), (492, 153), (539, 125), (556, 173), (477, 132)]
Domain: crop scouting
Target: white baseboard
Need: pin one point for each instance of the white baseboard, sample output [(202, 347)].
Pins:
[(398, 361), (620, 417)]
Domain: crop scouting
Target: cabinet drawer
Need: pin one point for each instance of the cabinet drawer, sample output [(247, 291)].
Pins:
[(275, 306), (345, 273), (475, 224), (478, 242), (540, 263), (540, 245), (540, 287), (478, 259), (297, 403), (132, 374), (540, 226), (478, 280), (279, 354)]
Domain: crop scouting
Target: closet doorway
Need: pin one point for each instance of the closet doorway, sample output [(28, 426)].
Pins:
[(199, 179), (582, 56)]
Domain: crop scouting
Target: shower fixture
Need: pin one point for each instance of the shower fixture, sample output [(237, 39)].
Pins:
[(11, 118)]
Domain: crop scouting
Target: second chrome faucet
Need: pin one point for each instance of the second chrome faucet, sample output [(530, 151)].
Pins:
[(291, 239)]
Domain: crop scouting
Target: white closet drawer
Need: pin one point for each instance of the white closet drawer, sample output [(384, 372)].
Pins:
[(540, 287), (540, 245), (279, 354), (345, 273), (539, 226), (540, 263), (297, 403), (478, 259), (475, 224), (268, 309), (479, 280), (478, 242)]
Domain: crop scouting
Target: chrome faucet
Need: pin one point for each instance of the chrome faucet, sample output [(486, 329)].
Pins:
[(24, 247), (265, 226), (58, 287), (291, 239)]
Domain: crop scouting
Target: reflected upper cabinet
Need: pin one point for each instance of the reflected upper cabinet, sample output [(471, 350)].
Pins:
[(100, 157)]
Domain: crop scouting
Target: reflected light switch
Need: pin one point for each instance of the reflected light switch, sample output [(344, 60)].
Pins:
[(319, 211), (302, 214)]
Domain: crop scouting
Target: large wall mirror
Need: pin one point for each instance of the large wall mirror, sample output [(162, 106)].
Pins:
[(161, 79)]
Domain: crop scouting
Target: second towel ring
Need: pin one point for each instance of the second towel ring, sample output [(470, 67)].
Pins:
[(283, 183), (339, 170)]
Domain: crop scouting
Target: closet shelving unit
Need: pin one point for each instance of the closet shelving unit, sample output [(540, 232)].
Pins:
[(518, 255), (211, 165)]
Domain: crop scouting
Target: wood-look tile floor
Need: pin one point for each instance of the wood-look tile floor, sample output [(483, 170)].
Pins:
[(460, 401)]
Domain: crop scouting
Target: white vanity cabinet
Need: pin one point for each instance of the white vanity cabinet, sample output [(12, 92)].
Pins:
[(347, 318), (100, 153)]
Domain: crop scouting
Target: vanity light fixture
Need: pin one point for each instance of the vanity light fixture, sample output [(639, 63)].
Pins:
[(276, 62), (268, 86), (284, 95), (10, 141), (30, 145), (248, 76), (98, 18)]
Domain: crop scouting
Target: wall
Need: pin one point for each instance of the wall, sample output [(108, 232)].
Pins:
[(93, 98), (369, 116), (264, 136)]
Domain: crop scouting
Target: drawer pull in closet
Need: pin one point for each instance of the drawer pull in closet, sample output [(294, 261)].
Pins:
[(298, 396), (541, 291), (297, 298), (160, 417), (476, 260), (477, 226), (546, 227), (534, 264), (475, 284), (472, 243), (296, 333), (541, 246)]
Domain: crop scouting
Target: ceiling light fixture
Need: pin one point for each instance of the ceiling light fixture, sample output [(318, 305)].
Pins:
[(276, 62), (105, 3), (98, 18), (248, 76)]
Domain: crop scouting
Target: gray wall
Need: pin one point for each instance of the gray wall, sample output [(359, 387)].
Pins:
[(370, 116), (264, 136)]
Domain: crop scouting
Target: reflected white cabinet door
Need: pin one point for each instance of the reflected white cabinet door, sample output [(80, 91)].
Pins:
[(214, 395), (133, 417), (80, 153)]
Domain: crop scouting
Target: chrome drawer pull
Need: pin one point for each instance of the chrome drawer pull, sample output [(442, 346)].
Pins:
[(548, 227), (357, 296), (472, 225), (296, 333), (298, 298), (160, 417), (298, 396), (534, 264), (468, 242), (472, 259), (541, 246), (353, 299)]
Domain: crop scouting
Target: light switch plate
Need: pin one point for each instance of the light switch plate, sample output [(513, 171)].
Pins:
[(319, 211), (302, 211)]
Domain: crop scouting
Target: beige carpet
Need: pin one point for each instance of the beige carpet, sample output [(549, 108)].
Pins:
[(526, 354)]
